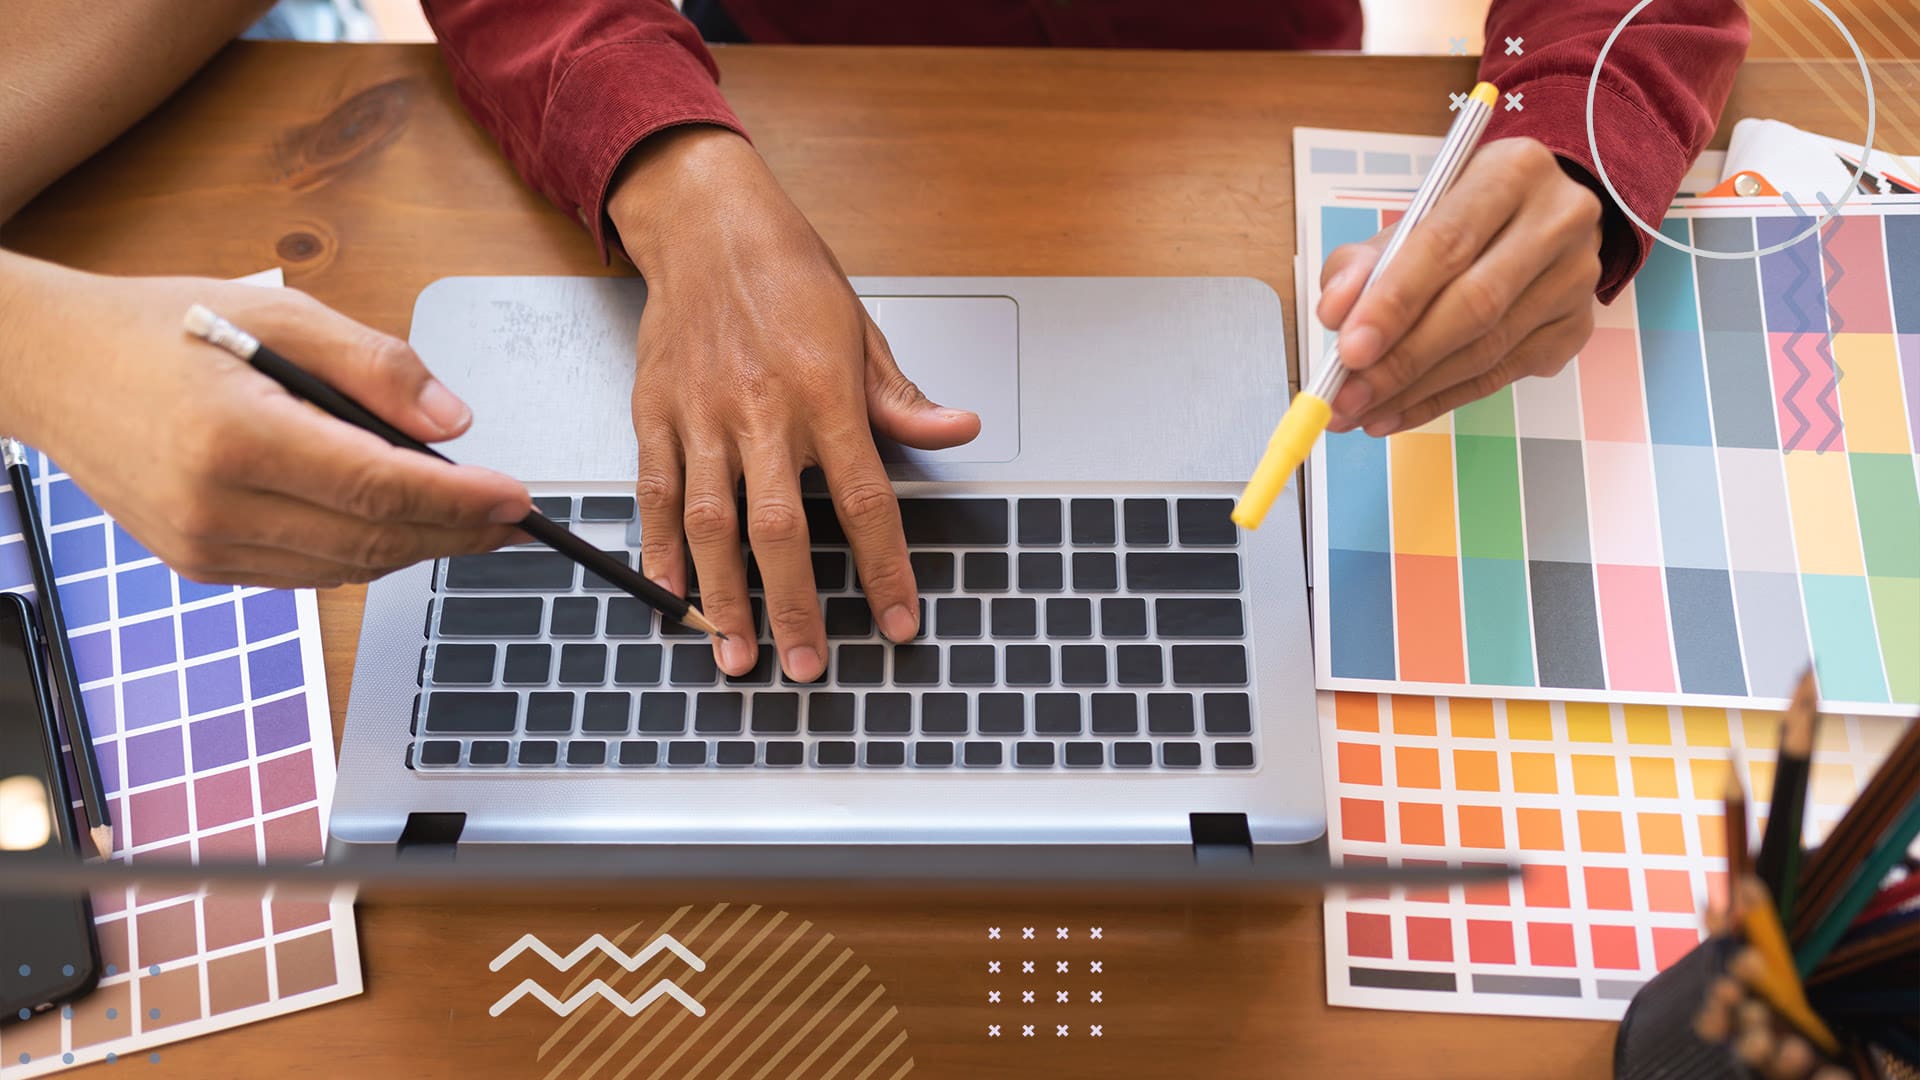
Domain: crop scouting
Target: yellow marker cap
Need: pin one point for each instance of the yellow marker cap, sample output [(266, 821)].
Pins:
[(1292, 441), (1486, 94)]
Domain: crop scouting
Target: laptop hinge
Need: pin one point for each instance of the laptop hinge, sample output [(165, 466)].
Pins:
[(430, 837), (1221, 838)]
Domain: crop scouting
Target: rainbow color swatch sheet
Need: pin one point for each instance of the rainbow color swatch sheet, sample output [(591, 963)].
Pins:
[(208, 709), (1720, 486)]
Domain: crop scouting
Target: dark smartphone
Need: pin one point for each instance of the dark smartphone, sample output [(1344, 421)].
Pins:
[(48, 953)]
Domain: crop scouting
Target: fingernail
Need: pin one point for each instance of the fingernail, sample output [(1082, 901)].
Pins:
[(736, 654), (1359, 346), (898, 623), (954, 414), (803, 663), (441, 407), (1353, 398), (507, 513), (1384, 426), (663, 582)]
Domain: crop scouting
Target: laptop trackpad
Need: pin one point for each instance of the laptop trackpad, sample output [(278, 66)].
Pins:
[(964, 352)]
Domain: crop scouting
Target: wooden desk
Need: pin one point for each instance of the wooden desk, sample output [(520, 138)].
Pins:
[(355, 169)]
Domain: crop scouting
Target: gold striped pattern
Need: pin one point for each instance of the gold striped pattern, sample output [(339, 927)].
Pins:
[(784, 1001), (1797, 30)]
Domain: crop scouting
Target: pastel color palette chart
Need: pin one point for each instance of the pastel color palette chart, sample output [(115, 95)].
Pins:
[(209, 713), (1614, 811), (1722, 485)]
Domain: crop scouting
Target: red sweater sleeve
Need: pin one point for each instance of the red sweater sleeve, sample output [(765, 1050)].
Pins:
[(1665, 81), (567, 89)]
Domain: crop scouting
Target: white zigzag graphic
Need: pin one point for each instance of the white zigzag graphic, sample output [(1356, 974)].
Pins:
[(663, 988), (597, 941)]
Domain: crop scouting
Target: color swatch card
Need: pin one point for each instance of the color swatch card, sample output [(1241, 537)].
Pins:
[(1720, 486), (1614, 810), (208, 708)]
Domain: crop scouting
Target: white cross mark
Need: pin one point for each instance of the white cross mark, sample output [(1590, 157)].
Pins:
[(1513, 46), (993, 1030), (1095, 997), (1095, 932), (1026, 933), (993, 933), (1513, 102), (993, 996), (1059, 1030), (1457, 46), (1456, 101), (1026, 997), (1060, 996), (1095, 967), (1094, 1031), (1060, 933), (1026, 967), (1060, 966), (1026, 1030), (993, 966)]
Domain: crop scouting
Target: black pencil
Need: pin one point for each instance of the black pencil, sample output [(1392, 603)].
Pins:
[(53, 627), (1778, 862), (217, 331)]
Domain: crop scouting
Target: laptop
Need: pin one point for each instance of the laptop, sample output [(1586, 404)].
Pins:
[(1111, 681)]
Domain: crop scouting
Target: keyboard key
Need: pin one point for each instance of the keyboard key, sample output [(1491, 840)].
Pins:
[(1196, 617), (693, 666), (1041, 572), (549, 711), (489, 752), (490, 616), (954, 522), (686, 753), (943, 714), (1095, 571), (1030, 665), (776, 714), (1182, 571), (957, 617), (932, 571), (1123, 617), (510, 571), (830, 714), (1233, 755), (916, 665), (574, 616), (1138, 665), (1033, 755), (663, 713), (1169, 714), (735, 753), (606, 711), (1092, 522), (674, 628), (1228, 714), (639, 665), (527, 665), (886, 755), (889, 714), (1146, 522), (1083, 665), (985, 571), (1015, 617), (834, 753), (1133, 755), (1003, 714), (1083, 755), (970, 665), (606, 508), (586, 752), (534, 752), (639, 754), (455, 712), (1209, 665), (1069, 617), (849, 616), (785, 754), (583, 664), (981, 755), (717, 713), (765, 663), (628, 617), (829, 570), (462, 665), (1056, 714), (1039, 522), (1207, 523), (926, 755), (557, 507), (1115, 714), (1180, 755), (440, 752), (862, 665)]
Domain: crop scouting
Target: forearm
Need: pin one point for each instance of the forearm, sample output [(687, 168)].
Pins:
[(78, 75), (30, 306)]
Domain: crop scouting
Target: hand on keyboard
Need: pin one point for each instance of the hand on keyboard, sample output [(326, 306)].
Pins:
[(756, 360)]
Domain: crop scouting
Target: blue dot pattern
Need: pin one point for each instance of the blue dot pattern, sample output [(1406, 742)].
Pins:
[(66, 1059), (113, 1014), (153, 1059), (67, 970), (24, 1013), (26, 970), (154, 970), (113, 969), (25, 1057), (66, 1012), (153, 1014), (112, 1057)]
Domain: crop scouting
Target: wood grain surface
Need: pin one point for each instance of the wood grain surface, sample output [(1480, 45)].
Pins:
[(354, 168)]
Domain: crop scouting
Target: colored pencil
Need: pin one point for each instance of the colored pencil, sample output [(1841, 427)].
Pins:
[(1735, 801), (1778, 863), (1868, 818), (1782, 991), (1859, 889)]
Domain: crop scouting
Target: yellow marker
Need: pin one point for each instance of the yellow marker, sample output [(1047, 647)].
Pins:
[(1307, 417)]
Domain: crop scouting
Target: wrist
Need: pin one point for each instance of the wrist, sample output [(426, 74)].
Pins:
[(697, 187), (27, 288)]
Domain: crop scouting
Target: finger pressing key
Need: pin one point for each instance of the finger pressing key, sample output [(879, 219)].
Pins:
[(864, 501), (713, 531), (777, 529)]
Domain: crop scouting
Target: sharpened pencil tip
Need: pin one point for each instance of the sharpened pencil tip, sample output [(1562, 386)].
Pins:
[(700, 622), (102, 840)]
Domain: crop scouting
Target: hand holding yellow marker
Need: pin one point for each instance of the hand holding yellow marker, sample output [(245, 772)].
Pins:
[(1307, 417)]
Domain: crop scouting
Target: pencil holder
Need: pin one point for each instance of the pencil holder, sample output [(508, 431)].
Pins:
[(1656, 1039)]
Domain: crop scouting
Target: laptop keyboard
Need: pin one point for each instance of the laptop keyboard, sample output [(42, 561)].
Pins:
[(1056, 634)]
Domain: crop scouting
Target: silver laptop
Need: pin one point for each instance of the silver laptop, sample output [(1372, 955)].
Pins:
[(1111, 680)]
